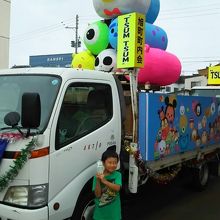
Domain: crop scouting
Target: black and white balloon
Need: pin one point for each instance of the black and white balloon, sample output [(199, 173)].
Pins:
[(106, 61)]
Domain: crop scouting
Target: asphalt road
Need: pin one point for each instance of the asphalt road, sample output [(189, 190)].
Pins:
[(176, 201)]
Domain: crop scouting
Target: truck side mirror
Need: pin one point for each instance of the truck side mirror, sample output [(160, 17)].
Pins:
[(12, 119), (31, 110)]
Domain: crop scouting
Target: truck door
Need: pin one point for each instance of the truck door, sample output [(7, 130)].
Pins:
[(83, 128)]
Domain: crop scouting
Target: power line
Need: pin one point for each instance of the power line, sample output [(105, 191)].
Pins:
[(198, 57), (87, 19), (190, 16), (201, 61), (189, 8), (35, 36), (42, 29)]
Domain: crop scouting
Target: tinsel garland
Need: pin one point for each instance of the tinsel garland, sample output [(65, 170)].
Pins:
[(168, 176), (18, 163), (161, 178)]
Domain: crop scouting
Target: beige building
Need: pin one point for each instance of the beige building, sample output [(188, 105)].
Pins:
[(4, 32)]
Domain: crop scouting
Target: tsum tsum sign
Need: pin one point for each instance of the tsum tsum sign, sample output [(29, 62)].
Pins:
[(214, 75), (131, 40)]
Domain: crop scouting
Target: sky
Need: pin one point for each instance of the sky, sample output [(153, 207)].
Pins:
[(38, 27)]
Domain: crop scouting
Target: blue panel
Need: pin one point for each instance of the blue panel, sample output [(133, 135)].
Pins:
[(142, 126), (178, 124), (52, 60)]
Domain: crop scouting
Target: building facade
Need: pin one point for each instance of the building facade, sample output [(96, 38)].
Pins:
[(5, 6), (51, 60), (185, 83)]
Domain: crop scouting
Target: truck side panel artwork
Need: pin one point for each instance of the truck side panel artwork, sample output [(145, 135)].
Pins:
[(170, 124)]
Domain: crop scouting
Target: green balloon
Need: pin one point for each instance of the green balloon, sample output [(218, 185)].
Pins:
[(96, 37)]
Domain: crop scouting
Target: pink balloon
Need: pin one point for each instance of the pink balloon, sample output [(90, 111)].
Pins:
[(160, 67)]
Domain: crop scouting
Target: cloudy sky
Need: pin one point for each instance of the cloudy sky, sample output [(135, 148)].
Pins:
[(38, 28)]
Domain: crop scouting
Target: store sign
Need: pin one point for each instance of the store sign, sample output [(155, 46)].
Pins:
[(51, 60), (214, 75), (131, 40), (54, 59)]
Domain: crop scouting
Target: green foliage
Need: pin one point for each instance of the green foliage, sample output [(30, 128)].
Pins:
[(18, 164)]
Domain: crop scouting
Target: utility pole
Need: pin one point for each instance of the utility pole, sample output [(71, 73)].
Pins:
[(77, 27), (75, 43)]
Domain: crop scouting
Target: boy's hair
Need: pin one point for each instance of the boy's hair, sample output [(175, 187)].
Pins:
[(109, 153)]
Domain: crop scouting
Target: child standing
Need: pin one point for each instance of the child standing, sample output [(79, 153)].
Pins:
[(106, 186)]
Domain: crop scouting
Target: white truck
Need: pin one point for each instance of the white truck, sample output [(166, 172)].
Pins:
[(57, 123)]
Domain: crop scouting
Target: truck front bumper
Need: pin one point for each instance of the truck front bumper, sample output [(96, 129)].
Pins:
[(12, 213)]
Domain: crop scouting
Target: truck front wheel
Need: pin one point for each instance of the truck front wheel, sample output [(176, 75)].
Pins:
[(84, 208), (201, 176)]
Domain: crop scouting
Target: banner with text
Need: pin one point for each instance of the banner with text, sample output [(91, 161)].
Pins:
[(214, 75), (131, 38)]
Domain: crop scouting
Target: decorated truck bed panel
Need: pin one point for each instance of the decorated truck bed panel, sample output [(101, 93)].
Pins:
[(170, 124)]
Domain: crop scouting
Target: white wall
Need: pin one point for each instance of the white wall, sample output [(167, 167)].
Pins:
[(197, 81), (187, 85), (4, 32)]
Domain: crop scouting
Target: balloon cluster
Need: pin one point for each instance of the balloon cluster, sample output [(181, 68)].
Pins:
[(101, 37)]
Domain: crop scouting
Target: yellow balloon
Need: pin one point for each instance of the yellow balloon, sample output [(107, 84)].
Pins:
[(83, 60)]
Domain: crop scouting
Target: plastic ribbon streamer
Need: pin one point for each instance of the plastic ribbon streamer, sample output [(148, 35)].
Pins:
[(18, 163), (3, 145)]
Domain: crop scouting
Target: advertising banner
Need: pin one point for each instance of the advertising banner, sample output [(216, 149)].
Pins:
[(171, 124), (131, 40), (214, 75)]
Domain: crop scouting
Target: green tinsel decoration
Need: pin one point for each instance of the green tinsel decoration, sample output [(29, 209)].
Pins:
[(18, 163)]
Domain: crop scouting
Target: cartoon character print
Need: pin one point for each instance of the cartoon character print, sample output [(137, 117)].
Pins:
[(194, 134), (212, 108), (211, 131), (217, 125), (170, 111), (183, 141), (108, 195), (197, 108), (204, 121), (218, 109), (204, 137), (164, 123), (167, 137), (162, 148), (183, 123), (191, 123), (198, 141)]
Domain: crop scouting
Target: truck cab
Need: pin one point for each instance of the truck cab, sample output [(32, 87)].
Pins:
[(80, 118)]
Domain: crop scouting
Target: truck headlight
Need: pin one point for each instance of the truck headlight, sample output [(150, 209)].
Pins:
[(30, 196)]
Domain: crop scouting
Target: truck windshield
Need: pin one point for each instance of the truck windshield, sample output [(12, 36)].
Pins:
[(12, 87), (206, 92)]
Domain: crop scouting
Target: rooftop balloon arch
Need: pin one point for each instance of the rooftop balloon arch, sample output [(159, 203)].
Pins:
[(100, 38)]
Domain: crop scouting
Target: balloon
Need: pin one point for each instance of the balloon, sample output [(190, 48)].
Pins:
[(113, 8), (96, 37), (83, 60), (154, 36), (160, 67), (106, 61), (113, 33), (153, 11)]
